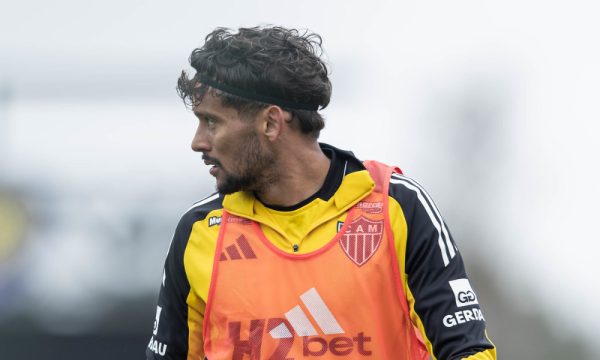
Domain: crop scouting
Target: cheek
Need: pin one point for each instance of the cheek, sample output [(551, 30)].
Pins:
[(227, 150), (222, 143), (233, 147)]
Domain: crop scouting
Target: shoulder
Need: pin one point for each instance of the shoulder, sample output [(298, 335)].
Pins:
[(199, 211), (414, 200), (427, 229), (408, 192)]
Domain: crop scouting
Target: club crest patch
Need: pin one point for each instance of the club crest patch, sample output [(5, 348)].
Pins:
[(362, 239)]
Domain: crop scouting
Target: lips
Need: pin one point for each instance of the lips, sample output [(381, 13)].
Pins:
[(209, 160), (209, 163), (213, 170), (213, 163)]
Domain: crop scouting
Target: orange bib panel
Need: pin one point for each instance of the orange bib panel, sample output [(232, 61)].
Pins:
[(344, 300)]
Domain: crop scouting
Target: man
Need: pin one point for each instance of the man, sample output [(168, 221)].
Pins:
[(304, 251)]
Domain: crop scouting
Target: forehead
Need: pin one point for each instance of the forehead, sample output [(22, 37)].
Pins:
[(212, 105)]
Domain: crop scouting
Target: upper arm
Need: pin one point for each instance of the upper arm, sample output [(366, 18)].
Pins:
[(442, 301), (170, 333), (180, 313)]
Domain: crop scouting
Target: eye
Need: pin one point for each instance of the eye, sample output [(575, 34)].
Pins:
[(209, 121)]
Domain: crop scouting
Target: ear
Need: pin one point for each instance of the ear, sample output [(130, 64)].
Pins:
[(274, 122)]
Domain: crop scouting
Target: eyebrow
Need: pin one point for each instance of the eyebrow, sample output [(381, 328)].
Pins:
[(205, 114)]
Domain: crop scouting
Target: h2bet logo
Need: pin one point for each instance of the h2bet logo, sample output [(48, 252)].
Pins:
[(296, 324)]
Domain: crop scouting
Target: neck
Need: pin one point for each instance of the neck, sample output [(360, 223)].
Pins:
[(301, 172)]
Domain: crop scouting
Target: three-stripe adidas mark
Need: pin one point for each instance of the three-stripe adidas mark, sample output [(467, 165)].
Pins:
[(300, 322), (233, 252), (447, 248)]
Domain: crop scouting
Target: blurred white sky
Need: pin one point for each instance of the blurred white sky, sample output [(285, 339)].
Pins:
[(94, 104)]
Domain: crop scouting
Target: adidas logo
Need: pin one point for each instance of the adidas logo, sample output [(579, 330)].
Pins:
[(243, 250), (300, 322)]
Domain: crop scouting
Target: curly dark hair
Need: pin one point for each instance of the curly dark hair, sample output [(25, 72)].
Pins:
[(271, 61)]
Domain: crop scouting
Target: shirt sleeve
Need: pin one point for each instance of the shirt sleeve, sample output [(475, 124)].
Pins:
[(170, 333), (443, 304)]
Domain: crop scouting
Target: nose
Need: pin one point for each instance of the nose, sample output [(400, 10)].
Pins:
[(200, 142)]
